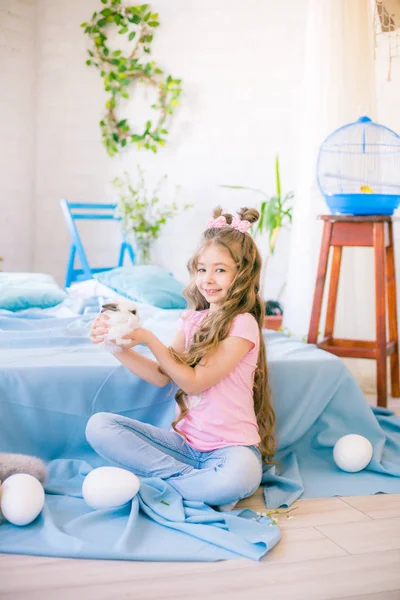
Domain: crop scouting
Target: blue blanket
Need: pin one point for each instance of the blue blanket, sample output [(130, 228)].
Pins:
[(317, 401), (52, 379), (156, 525)]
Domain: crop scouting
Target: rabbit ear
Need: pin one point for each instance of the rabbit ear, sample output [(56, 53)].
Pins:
[(110, 306)]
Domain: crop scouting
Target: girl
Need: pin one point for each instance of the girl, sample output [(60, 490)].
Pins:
[(224, 428)]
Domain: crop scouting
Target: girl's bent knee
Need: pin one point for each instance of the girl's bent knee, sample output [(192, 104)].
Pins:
[(96, 425)]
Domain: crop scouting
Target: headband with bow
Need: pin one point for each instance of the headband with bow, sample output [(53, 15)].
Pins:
[(220, 223)]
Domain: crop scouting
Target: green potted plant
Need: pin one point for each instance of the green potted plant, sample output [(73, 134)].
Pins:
[(142, 217), (275, 213)]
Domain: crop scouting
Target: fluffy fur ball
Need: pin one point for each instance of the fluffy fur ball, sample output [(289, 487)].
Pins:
[(10, 464)]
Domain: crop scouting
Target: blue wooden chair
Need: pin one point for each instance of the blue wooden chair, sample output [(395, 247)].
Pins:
[(72, 211)]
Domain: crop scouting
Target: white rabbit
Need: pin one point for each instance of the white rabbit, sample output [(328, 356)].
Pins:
[(123, 317)]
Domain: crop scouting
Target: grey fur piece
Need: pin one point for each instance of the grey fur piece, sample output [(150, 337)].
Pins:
[(10, 464)]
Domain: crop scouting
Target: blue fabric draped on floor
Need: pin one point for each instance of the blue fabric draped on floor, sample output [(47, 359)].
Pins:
[(312, 417), (157, 525), (52, 379)]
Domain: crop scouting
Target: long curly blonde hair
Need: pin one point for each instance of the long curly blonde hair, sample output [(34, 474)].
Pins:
[(242, 297)]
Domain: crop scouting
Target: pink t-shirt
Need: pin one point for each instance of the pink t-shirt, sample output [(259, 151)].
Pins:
[(223, 415)]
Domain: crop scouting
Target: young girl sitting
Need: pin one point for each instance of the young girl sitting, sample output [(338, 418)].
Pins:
[(224, 428)]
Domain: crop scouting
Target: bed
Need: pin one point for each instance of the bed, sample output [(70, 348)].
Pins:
[(52, 379)]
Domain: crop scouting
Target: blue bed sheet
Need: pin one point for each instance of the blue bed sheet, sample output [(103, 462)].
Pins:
[(52, 379)]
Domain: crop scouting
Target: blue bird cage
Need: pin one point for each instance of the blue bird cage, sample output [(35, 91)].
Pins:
[(358, 169)]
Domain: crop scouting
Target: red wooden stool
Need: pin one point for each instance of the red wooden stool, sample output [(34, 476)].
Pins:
[(375, 231)]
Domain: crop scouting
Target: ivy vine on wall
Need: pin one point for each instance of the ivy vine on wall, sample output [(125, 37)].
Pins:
[(119, 72)]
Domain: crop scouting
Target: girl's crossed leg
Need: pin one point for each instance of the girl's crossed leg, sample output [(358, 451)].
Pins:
[(222, 476)]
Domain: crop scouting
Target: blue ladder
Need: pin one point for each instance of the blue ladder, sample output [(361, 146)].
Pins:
[(72, 212)]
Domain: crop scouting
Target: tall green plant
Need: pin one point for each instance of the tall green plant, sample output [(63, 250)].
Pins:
[(275, 213)]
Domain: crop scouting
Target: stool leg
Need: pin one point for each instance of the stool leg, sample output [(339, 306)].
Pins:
[(392, 314), (333, 290), (380, 307), (320, 284)]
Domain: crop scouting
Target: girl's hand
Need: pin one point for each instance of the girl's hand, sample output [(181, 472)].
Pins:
[(99, 329), (137, 336)]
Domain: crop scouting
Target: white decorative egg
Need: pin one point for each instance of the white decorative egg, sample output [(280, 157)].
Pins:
[(352, 452), (21, 499), (109, 487)]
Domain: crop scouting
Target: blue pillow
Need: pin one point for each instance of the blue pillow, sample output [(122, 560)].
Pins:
[(149, 284), (19, 291)]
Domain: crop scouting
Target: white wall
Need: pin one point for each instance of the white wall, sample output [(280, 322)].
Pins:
[(241, 66), (17, 109)]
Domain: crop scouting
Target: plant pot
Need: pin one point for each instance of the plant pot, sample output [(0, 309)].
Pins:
[(273, 322)]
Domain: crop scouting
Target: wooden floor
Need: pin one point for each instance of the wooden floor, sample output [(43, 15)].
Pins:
[(330, 548)]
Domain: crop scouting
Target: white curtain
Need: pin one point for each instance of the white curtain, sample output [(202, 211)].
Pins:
[(339, 86)]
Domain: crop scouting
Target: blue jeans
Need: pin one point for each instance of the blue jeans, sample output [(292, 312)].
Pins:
[(219, 477)]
